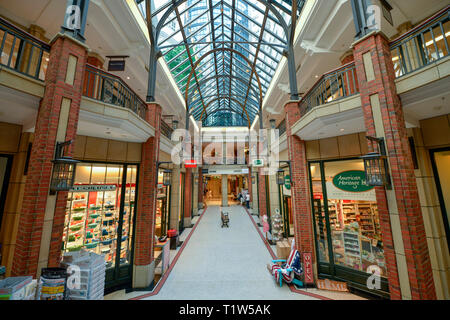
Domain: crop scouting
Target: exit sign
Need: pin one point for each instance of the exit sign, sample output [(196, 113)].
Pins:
[(258, 163)]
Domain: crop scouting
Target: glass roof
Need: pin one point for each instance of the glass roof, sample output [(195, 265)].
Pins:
[(223, 90)]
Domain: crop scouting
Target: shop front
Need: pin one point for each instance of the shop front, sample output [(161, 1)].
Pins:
[(5, 170), (284, 192), (163, 201), (346, 224), (440, 160), (100, 217)]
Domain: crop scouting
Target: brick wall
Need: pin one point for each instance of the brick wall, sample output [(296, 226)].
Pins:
[(146, 210), (301, 199), (403, 179), (40, 167)]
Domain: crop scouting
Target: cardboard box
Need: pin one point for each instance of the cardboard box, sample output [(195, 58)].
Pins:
[(283, 249), (290, 241)]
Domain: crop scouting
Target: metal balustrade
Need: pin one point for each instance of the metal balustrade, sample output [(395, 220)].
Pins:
[(333, 85), (166, 130), (23, 53), (423, 45), (108, 88), (282, 127)]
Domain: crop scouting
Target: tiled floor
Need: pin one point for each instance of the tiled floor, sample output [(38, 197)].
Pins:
[(224, 264)]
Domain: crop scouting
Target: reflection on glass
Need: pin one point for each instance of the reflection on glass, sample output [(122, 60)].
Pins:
[(353, 216), (319, 213), (93, 212), (128, 216)]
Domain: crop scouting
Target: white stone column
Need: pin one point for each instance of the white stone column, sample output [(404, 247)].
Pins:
[(224, 190)]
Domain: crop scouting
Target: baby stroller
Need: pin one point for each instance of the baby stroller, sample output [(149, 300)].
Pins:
[(225, 219)]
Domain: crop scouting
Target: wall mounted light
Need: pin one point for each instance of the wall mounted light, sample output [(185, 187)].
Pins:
[(63, 176), (167, 178), (273, 123), (280, 177), (376, 165)]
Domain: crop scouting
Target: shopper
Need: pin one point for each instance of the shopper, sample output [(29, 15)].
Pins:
[(247, 199)]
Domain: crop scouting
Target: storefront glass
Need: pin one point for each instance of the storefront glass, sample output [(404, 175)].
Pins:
[(162, 207), (441, 166), (346, 221), (5, 170), (100, 211), (319, 214), (353, 217)]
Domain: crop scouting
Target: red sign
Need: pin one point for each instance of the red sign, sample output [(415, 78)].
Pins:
[(190, 164), (308, 267), (318, 196)]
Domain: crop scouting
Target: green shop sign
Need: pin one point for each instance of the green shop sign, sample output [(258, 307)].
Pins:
[(352, 181), (287, 182)]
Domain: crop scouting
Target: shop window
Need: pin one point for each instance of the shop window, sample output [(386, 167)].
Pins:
[(353, 217), (162, 206), (441, 167), (319, 213), (96, 218), (346, 221)]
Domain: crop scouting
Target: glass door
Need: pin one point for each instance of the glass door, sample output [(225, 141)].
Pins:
[(440, 159), (100, 216), (5, 172), (181, 217), (346, 223)]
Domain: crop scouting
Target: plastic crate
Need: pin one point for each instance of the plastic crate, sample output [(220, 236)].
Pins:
[(9, 286)]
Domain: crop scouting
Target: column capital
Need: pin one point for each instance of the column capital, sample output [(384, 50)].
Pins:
[(68, 37)]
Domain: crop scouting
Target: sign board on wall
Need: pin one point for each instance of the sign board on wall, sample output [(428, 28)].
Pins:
[(93, 188), (350, 185), (308, 267), (75, 18), (228, 171)]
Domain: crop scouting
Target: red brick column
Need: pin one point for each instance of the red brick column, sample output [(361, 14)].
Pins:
[(148, 175), (301, 198), (402, 169), (30, 229), (262, 208), (188, 193)]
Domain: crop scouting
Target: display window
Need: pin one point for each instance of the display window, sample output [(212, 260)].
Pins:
[(5, 171), (346, 220), (100, 212), (162, 207), (286, 208), (440, 159)]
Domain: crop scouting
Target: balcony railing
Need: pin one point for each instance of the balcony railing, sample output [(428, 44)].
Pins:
[(108, 88), (423, 45), (282, 127), (334, 85), (166, 130), (22, 52)]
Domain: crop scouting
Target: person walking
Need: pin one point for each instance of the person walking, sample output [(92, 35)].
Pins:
[(247, 200)]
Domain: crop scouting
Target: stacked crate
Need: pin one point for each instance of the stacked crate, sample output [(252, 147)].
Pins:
[(92, 275)]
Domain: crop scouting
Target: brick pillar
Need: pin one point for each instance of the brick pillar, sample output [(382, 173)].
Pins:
[(262, 201), (146, 209), (408, 252), (301, 198), (188, 198), (39, 233)]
